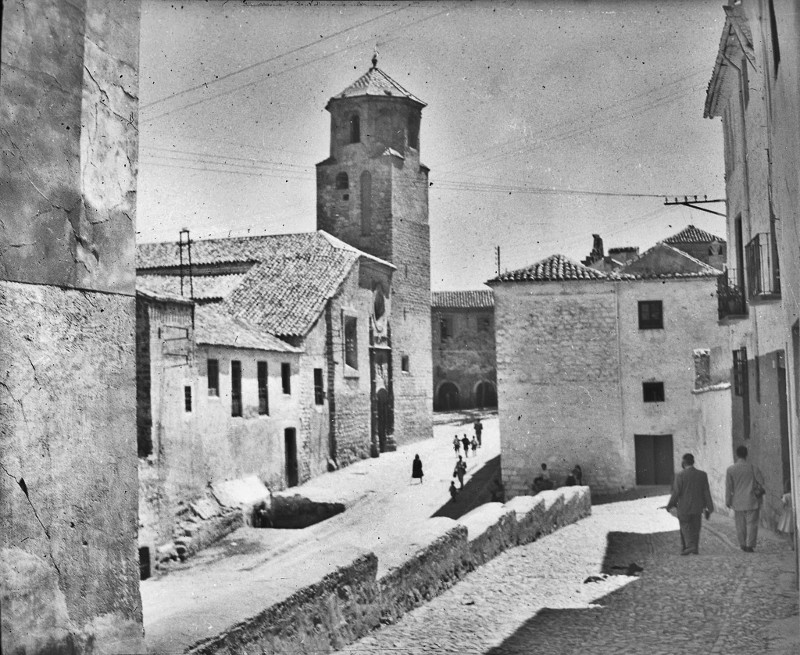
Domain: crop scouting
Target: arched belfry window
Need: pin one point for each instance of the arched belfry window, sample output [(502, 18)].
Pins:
[(355, 129), (342, 182), (366, 203), (413, 132)]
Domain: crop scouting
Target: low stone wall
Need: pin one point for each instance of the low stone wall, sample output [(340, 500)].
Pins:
[(360, 596), (431, 569), (339, 609), (492, 528)]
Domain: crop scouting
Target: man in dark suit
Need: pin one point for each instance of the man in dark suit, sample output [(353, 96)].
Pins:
[(691, 496)]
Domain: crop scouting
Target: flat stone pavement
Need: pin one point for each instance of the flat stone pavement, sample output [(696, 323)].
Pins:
[(251, 569), (534, 598)]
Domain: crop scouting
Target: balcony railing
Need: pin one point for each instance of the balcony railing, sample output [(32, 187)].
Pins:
[(730, 295), (763, 274)]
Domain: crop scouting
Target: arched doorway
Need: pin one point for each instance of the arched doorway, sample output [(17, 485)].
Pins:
[(485, 394), (447, 397)]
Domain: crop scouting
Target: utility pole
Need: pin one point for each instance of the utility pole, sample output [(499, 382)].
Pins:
[(188, 245), (689, 202), (497, 253)]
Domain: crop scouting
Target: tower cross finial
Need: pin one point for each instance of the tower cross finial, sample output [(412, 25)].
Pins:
[(375, 59)]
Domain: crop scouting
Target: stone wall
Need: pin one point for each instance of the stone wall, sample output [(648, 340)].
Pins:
[(466, 358), (559, 383), (360, 596), (68, 496)]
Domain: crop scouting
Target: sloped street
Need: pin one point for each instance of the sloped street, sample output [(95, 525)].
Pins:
[(536, 598)]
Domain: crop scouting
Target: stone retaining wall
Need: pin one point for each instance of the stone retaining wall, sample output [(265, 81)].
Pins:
[(358, 597)]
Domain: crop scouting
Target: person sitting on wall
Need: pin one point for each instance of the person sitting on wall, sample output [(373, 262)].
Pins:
[(570, 481), (577, 473)]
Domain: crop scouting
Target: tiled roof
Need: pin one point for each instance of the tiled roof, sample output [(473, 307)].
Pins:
[(692, 234), (479, 298), (556, 268), (159, 295), (664, 261), (217, 251), (285, 289), (204, 287), (286, 293), (377, 83), (215, 327)]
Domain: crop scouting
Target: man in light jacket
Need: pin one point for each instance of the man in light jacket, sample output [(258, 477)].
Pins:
[(740, 497)]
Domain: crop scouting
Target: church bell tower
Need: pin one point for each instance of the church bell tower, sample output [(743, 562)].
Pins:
[(372, 193)]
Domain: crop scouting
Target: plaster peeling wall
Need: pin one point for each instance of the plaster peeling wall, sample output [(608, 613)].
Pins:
[(68, 485)]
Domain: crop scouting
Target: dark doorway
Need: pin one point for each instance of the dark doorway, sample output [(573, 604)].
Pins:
[(448, 397), (383, 418), (144, 563), (290, 445), (654, 459), (485, 395)]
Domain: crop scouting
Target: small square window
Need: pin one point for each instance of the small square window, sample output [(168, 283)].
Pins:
[(653, 392), (187, 399), (351, 341), (404, 363), (484, 324), (650, 315), (445, 328)]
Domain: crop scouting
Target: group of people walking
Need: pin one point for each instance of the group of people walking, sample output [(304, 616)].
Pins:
[(460, 470), (744, 491)]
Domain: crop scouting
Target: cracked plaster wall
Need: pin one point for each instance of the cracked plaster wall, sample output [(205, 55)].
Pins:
[(68, 485), (68, 143)]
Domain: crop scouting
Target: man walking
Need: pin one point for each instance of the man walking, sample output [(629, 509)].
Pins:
[(478, 431), (744, 486), (691, 496)]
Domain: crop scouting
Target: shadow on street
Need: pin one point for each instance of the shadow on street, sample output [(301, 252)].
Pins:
[(477, 491)]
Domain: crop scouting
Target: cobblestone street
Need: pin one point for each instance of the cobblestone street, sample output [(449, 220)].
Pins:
[(534, 598)]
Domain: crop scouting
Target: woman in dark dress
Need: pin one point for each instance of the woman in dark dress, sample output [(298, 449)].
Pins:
[(416, 468)]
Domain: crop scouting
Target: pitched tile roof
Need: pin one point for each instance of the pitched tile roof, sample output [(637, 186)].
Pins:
[(478, 298), (286, 287), (213, 326), (377, 83), (217, 251), (556, 268), (204, 287), (692, 234), (664, 261)]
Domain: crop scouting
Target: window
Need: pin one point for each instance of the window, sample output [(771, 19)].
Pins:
[(355, 129), (650, 315), (351, 341), (213, 377), (187, 399), (702, 367), (319, 389), (484, 324), (413, 132), (653, 392), (366, 203), (740, 372), (263, 393), (445, 327), (286, 377), (342, 182), (236, 388), (404, 364)]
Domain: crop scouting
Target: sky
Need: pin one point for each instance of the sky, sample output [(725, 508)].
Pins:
[(546, 122)]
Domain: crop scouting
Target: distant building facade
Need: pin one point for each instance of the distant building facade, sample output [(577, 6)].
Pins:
[(601, 369), (760, 211), (462, 336), (372, 192)]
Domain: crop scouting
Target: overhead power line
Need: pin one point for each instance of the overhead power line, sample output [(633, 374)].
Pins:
[(288, 70), (244, 69)]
